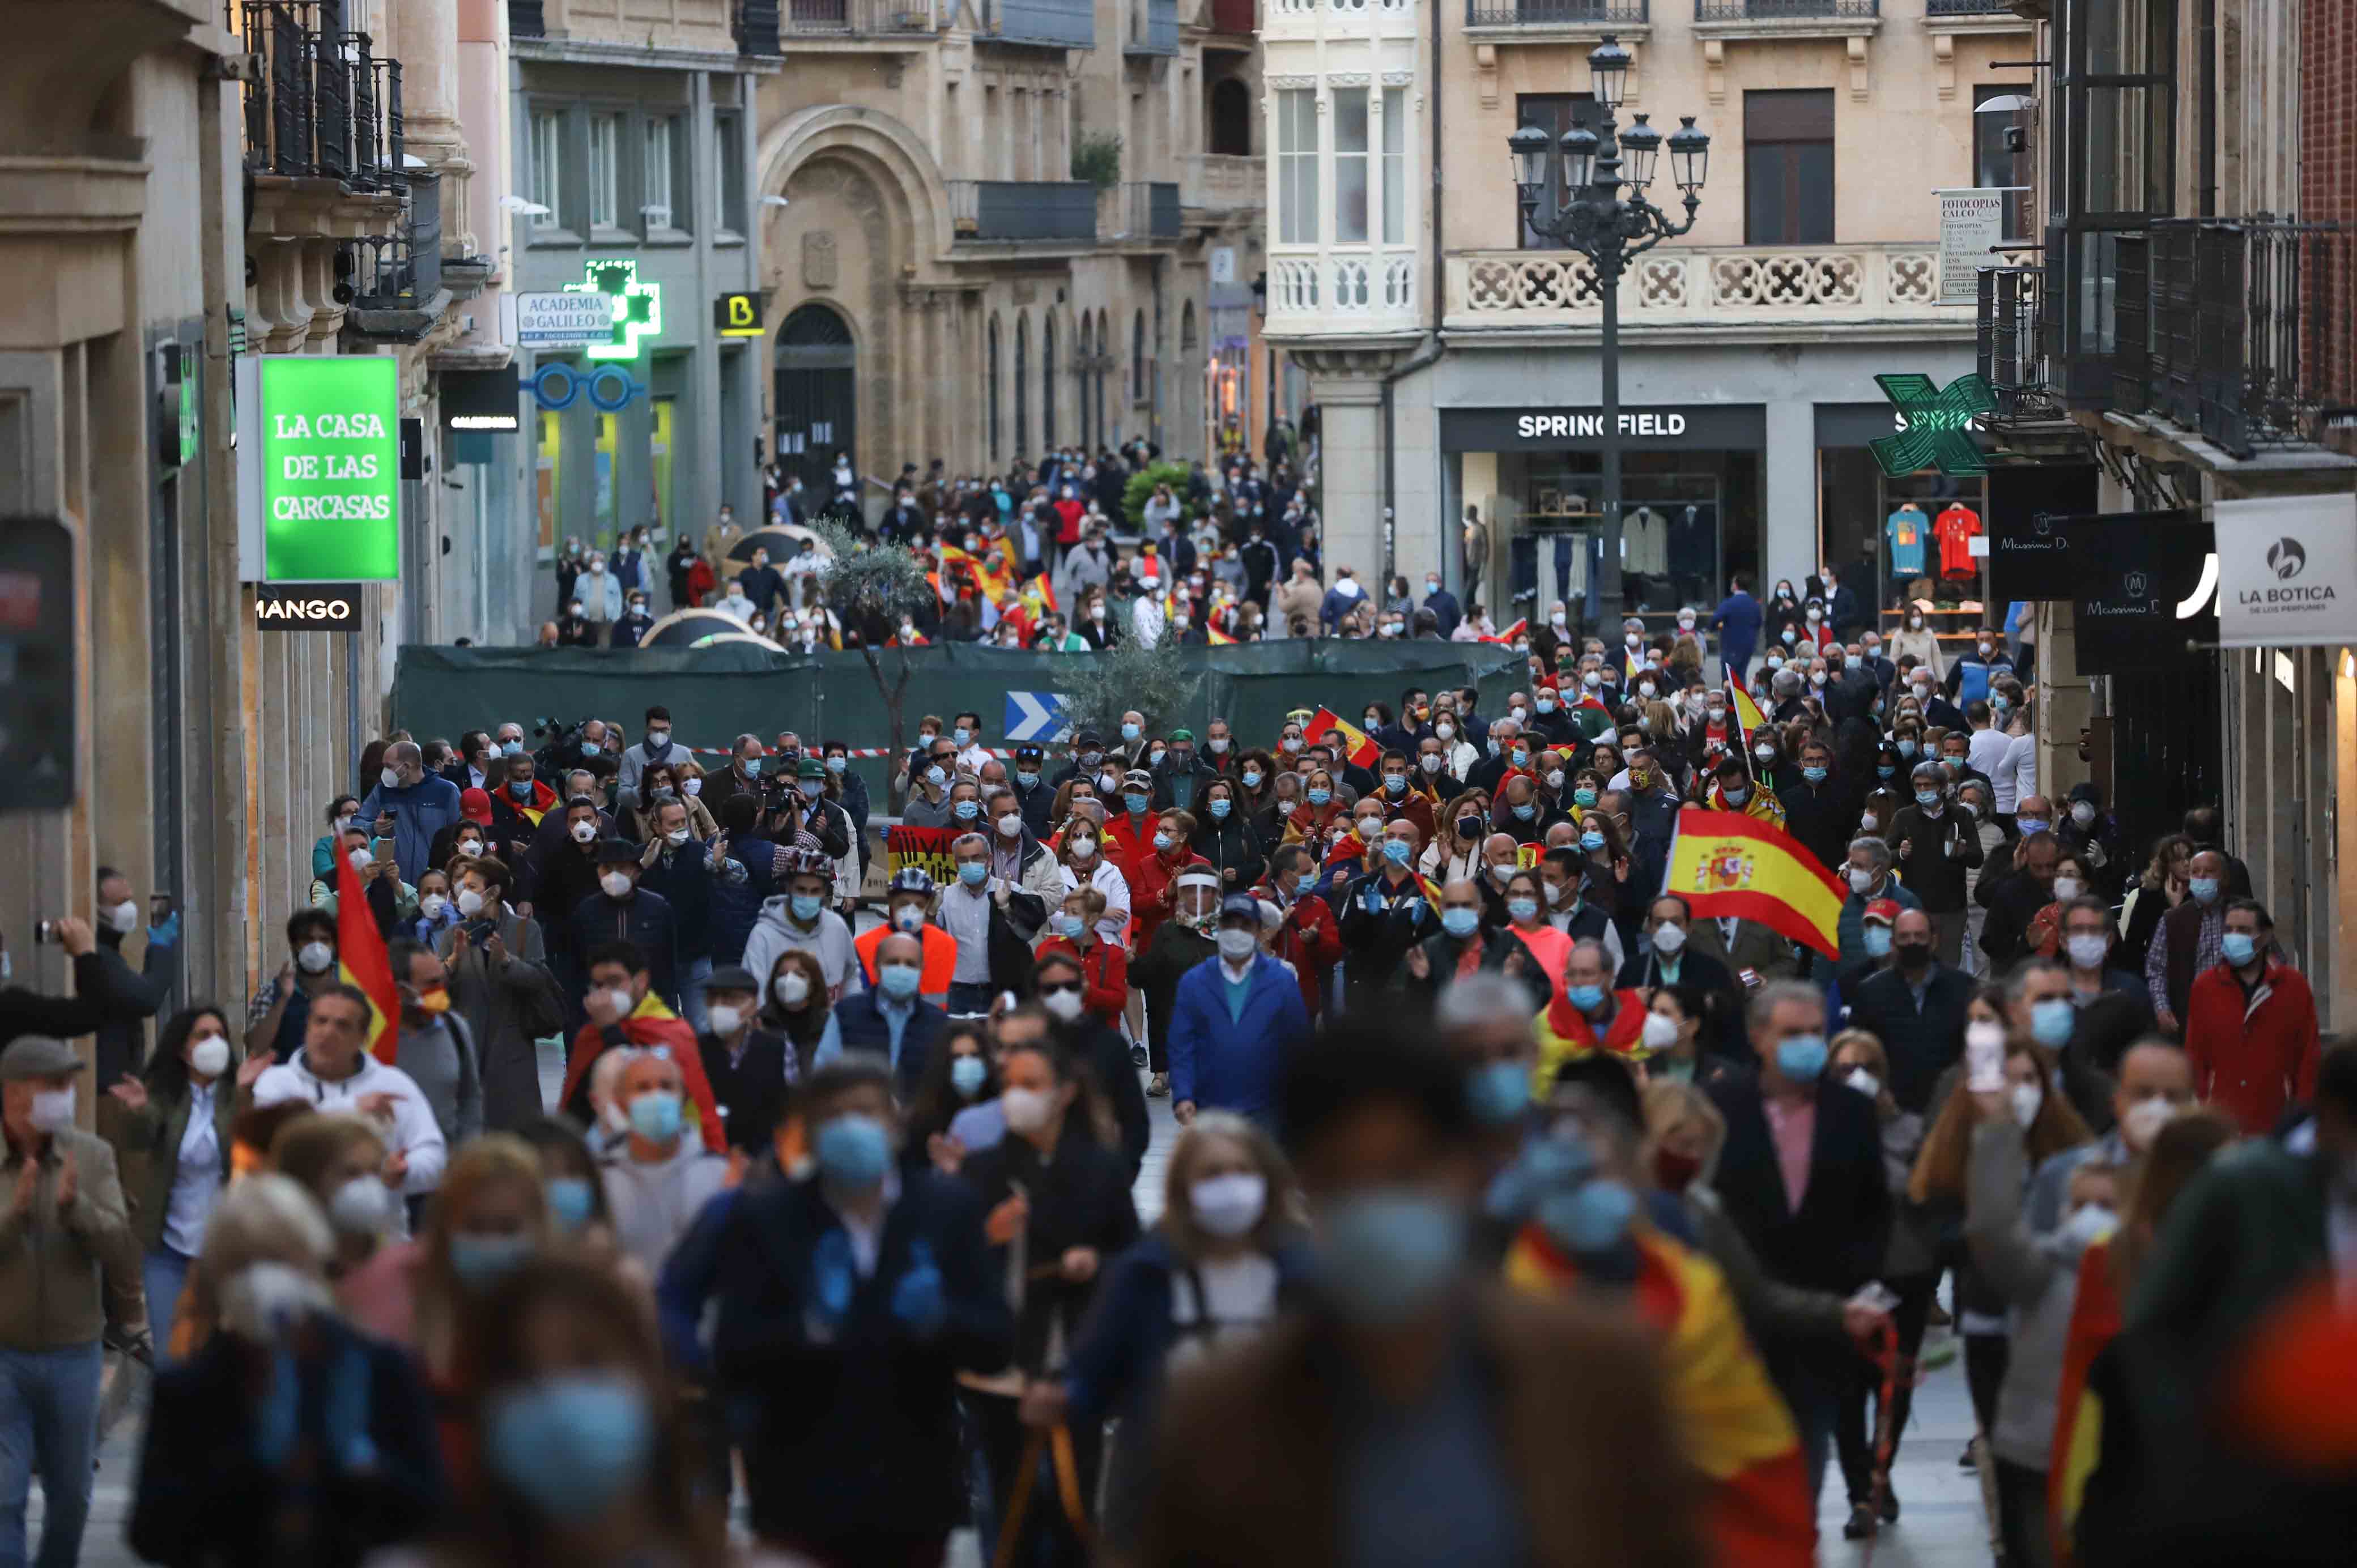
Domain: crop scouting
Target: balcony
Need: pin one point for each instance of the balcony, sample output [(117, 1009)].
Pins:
[(820, 19), (1060, 211), (1709, 291), (1969, 8), (396, 279), (323, 107), (1556, 20), (1785, 10), (2010, 347), (1043, 23), (1342, 290), (1145, 209), (1222, 182), (1236, 18), (755, 24), (2240, 331), (1153, 27), (1310, 19), (1716, 21)]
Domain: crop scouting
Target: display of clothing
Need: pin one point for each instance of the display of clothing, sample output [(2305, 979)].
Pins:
[(1645, 543), (1955, 529), (1905, 530)]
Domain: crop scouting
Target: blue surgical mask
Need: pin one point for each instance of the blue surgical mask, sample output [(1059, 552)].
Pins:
[(1592, 1217), (1736, 793), (1591, 840), (837, 764), (2051, 1021), (482, 1261), (1801, 1058), (967, 1075), (1395, 783), (1251, 778), (1070, 925), (570, 1201), (967, 810), (1396, 850), (1137, 804), (511, 749), (1220, 807), (2029, 826), (1523, 908), (1129, 732), (2239, 947), (1877, 941), (1526, 811), (898, 980), (1927, 797), (1814, 775), (2205, 888), (1521, 758), (1884, 770), (805, 906), (1907, 749), (852, 1150), (655, 1116), (1385, 1255), (1162, 842), (972, 873), (1499, 1091), (961, 735), (1583, 798), (1026, 780), (1587, 998), (1460, 922), (570, 1443), (1321, 797)]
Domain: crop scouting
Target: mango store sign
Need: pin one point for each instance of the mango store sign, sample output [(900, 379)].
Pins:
[(330, 466)]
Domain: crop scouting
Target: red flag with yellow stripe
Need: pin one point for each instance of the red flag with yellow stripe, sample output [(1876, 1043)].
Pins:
[(1748, 716), (1724, 862), (362, 962), (1355, 744)]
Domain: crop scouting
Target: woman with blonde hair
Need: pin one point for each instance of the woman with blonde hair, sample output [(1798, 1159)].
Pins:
[(1226, 1255), (1459, 829)]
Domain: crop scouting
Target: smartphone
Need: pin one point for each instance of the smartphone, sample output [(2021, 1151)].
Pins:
[(159, 907), (1983, 1058)]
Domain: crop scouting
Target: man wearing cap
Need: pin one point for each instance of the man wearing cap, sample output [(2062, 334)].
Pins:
[(1087, 760), (64, 1220), (908, 909), (799, 918), (1034, 795), (474, 810), (1131, 822), (749, 1068), (622, 911), (1915, 1007), (1182, 774), (1874, 933), (1234, 1017)]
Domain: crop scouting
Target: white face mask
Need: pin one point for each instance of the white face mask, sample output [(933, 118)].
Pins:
[(1236, 946), (470, 903), (1860, 879), (676, 837), (124, 917), (1229, 1206), (1027, 1110), (2026, 1099), (208, 1058), (1009, 825), (584, 832), (617, 884), (2066, 889), (1864, 1082), (723, 1019), (1083, 849), (792, 988), (53, 1110), (1661, 1031), (2087, 949), (2145, 1120), (1064, 1004), (621, 1001), (432, 906), (316, 958), (362, 1206)]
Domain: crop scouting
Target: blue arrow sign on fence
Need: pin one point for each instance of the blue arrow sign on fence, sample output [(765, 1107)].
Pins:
[(1035, 716)]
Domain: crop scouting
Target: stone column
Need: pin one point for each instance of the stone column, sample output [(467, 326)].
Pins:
[(426, 41), (1346, 383), (1788, 503)]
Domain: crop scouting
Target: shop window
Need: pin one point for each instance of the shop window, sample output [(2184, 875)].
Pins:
[(1788, 167), (1350, 165), (548, 167), (1394, 166), (1554, 113), (605, 170), (1297, 167)]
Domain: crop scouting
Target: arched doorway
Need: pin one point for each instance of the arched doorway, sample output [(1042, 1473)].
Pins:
[(1232, 118), (817, 403)]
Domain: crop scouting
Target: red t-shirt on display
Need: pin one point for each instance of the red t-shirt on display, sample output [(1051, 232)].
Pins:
[(1955, 529)]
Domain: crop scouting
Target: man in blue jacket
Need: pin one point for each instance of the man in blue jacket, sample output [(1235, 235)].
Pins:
[(850, 1299), (1234, 1017), (411, 805), (1737, 621)]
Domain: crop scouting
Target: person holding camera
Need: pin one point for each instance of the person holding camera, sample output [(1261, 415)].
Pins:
[(26, 1012)]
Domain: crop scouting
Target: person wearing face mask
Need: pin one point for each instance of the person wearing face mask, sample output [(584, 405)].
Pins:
[(1802, 1176), (176, 1115), (895, 1017), (1059, 985), (1384, 913), (409, 806), (275, 1019), (686, 874), (319, 1478), (2251, 1030), (1463, 946), (2190, 941), (1976, 667), (624, 1012), (2017, 901), (1667, 958), (1307, 938), (2094, 833), (1916, 1008), (799, 918), (500, 986), (657, 1179), (868, 1272), (623, 910), (135, 995), (656, 747), (335, 1070), (759, 1041), (1404, 1319), (1587, 1014), (2109, 1000), (1936, 842), (1233, 1016), (1073, 933), (433, 1045)]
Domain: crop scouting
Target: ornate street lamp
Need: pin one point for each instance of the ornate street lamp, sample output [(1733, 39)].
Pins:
[(1611, 228)]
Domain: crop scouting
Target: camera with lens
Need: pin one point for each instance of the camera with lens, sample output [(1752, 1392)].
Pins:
[(48, 931)]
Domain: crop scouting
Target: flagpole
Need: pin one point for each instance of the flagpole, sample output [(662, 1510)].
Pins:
[(1670, 859)]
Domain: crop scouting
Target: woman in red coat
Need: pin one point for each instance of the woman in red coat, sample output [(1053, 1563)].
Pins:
[(1309, 939), (1154, 873), (1104, 968)]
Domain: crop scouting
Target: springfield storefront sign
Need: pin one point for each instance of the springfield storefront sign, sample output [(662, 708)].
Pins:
[(1572, 429), (2287, 571), (330, 466)]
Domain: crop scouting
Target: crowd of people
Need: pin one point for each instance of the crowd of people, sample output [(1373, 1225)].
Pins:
[(1519, 1208)]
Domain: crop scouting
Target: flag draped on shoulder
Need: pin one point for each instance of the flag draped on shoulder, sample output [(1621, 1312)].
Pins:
[(1728, 863), (362, 962), (1355, 744)]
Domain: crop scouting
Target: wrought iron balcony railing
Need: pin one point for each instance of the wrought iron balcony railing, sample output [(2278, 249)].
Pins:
[(1967, 8), (1556, 13), (324, 106), (755, 23), (1785, 10), (857, 18), (403, 271), (2012, 338), (1023, 208)]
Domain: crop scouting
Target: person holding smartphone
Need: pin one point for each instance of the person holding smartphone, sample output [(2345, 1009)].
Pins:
[(500, 984)]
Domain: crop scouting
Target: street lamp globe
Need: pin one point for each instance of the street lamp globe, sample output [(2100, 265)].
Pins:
[(1578, 146), (1639, 145), (1608, 66), (1689, 154), (1529, 147)]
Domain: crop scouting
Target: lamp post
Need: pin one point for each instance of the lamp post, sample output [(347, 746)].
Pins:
[(1610, 230)]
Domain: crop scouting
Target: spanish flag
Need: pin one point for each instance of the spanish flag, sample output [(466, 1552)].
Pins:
[(1358, 747), (1724, 862), (1040, 595), (1217, 637), (1734, 1428), (362, 962), (1748, 716), (1511, 632)]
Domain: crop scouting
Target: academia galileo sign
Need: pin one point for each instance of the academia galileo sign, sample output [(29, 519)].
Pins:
[(330, 463)]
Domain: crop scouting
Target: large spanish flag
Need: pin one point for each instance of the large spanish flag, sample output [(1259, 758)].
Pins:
[(1724, 862), (362, 962), (1356, 744)]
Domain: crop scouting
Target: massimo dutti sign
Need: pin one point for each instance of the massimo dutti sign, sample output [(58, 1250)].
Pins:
[(1573, 428)]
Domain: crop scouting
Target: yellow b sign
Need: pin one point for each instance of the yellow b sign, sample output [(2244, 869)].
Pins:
[(738, 315)]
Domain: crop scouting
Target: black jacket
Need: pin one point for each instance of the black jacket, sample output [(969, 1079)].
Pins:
[(645, 919), (1933, 874), (1173, 950), (751, 1090), (1722, 1029), (123, 1037), (1232, 846), (864, 1027), (1379, 923), (2016, 902), (1107, 1055), (1442, 952), (850, 1435), (1080, 1197), (1823, 817), (1921, 1045)]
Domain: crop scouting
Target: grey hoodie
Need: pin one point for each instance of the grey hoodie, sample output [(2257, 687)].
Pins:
[(653, 1205), (2039, 1278), (829, 942)]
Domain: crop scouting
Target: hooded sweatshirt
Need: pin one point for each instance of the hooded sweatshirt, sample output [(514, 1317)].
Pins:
[(829, 941), (653, 1205), (414, 1134)]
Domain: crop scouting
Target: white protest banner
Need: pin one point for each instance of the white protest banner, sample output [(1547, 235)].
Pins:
[(2287, 571)]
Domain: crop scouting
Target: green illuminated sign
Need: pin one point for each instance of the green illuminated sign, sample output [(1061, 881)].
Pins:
[(1935, 425), (330, 463), (638, 306)]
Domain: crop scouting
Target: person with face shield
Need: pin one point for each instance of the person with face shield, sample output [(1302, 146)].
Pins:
[(850, 1297), (1489, 1426), (1233, 1016), (322, 1435)]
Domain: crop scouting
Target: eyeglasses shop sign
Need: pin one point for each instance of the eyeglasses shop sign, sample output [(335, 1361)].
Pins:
[(330, 468), (2287, 571)]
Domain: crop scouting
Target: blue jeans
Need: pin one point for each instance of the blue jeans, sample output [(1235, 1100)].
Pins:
[(693, 977), (164, 1270), (48, 1423)]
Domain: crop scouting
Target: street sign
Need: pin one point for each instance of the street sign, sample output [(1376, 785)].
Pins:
[(738, 315), (330, 462), (564, 320), (1938, 430), (36, 664), (1035, 716), (1971, 227)]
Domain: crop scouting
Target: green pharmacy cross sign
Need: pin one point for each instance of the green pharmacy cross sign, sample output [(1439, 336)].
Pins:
[(638, 306), (1935, 425)]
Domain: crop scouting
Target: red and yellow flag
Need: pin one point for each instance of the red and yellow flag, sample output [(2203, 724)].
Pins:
[(1040, 595), (1356, 744), (1217, 637), (1724, 862), (1511, 632), (362, 962), (1748, 716)]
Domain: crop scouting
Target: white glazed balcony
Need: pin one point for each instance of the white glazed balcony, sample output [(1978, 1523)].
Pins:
[(1341, 290), (1892, 287), (1313, 19)]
